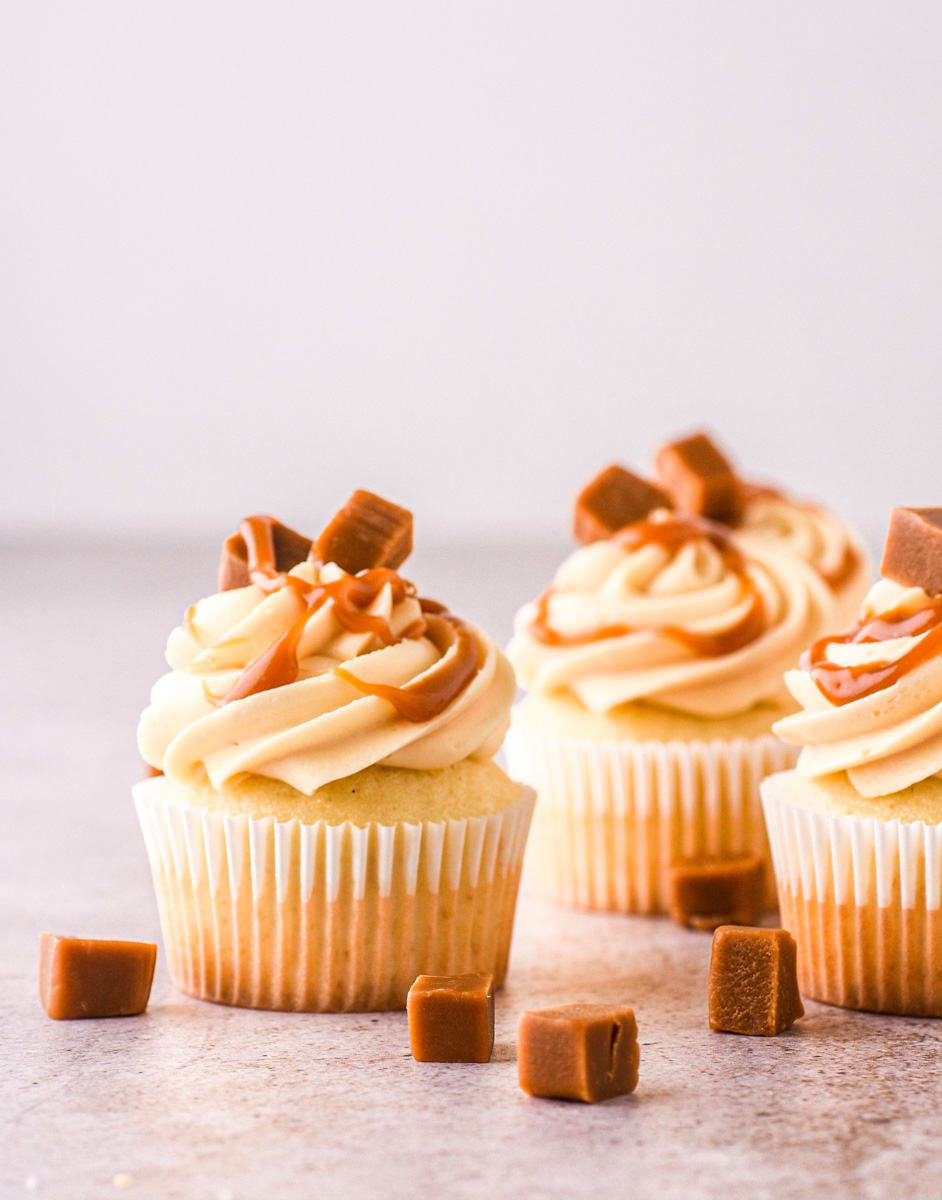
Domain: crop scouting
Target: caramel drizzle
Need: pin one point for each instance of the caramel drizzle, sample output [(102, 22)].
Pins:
[(671, 534), (425, 698), (351, 595), (845, 569), (842, 685)]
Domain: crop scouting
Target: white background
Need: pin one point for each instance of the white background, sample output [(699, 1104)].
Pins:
[(255, 255)]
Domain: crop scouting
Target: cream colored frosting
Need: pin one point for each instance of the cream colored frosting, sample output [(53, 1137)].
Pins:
[(320, 727), (817, 537), (606, 585), (885, 741)]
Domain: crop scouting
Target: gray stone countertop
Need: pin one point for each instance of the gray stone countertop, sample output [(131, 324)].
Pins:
[(197, 1100)]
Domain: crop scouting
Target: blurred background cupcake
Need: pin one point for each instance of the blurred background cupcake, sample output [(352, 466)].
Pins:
[(327, 822), (856, 828), (653, 673)]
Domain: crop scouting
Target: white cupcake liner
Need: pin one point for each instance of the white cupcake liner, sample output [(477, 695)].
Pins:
[(320, 917), (863, 899), (613, 816)]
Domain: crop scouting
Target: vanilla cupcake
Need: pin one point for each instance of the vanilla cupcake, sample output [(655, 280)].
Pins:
[(653, 667), (329, 822), (856, 828)]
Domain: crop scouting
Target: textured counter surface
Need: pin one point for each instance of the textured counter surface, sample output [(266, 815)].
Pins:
[(195, 1100)]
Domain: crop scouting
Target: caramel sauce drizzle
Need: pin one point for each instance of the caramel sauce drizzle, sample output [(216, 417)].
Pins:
[(842, 685), (351, 595), (671, 534), (839, 575), (427, 697)]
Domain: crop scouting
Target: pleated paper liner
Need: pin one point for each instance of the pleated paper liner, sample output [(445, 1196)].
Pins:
[(327, 918), (611, 817), (862, 898)]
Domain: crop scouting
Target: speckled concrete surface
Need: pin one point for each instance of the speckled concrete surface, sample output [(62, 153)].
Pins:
[(194, 1100)]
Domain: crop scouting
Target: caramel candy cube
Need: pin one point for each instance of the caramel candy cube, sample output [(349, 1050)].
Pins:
[(700, 479), (584, 1052), (708, 892), (753, 981), (614, 499), (451, 1017), (913, 552), (87, 977), (367, 532), (288, 548)]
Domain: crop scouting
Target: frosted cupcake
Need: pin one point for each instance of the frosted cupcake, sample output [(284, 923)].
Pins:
[(329, 822), (654, 665), (856, 828)]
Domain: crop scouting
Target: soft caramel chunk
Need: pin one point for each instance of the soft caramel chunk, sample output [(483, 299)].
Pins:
[(578, 1052), (913, 552), (753, 981), (700, 479), (274, 546), (451, 1017), (708, 892), (367, 532), (86, 977), (615, 498)]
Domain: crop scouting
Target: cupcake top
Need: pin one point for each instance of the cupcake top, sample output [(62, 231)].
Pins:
[(693, 475), (675, 610), (871, 697), (693, 590), (315, 660)]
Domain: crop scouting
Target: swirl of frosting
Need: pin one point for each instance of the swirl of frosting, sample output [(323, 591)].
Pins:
[(311, 675), (871, 698), (672, 610), (817, 537)]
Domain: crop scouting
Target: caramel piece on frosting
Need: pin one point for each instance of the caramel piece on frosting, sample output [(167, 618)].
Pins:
[(86, 977), (367, 532), (708, 892), (700, 479), (913, 552), (753, 981), (615, 498), (238, 558), (451, 1017), (584, 1052)]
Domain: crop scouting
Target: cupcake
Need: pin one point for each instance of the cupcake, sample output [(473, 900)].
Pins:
[(856, 827), (327, 822), (653, 673)]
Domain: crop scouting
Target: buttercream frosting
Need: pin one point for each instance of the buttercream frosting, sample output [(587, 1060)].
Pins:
[(817, 537), (322, 725), (676, 611), (871, 698)]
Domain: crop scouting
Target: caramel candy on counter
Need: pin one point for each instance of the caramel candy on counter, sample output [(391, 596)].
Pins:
[(708, 892), (367, 532), (615, 498), (913, 552), (287, 547), (753, 981), (700, 479), (87, 977), (584, 1052), (451, 1017)]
